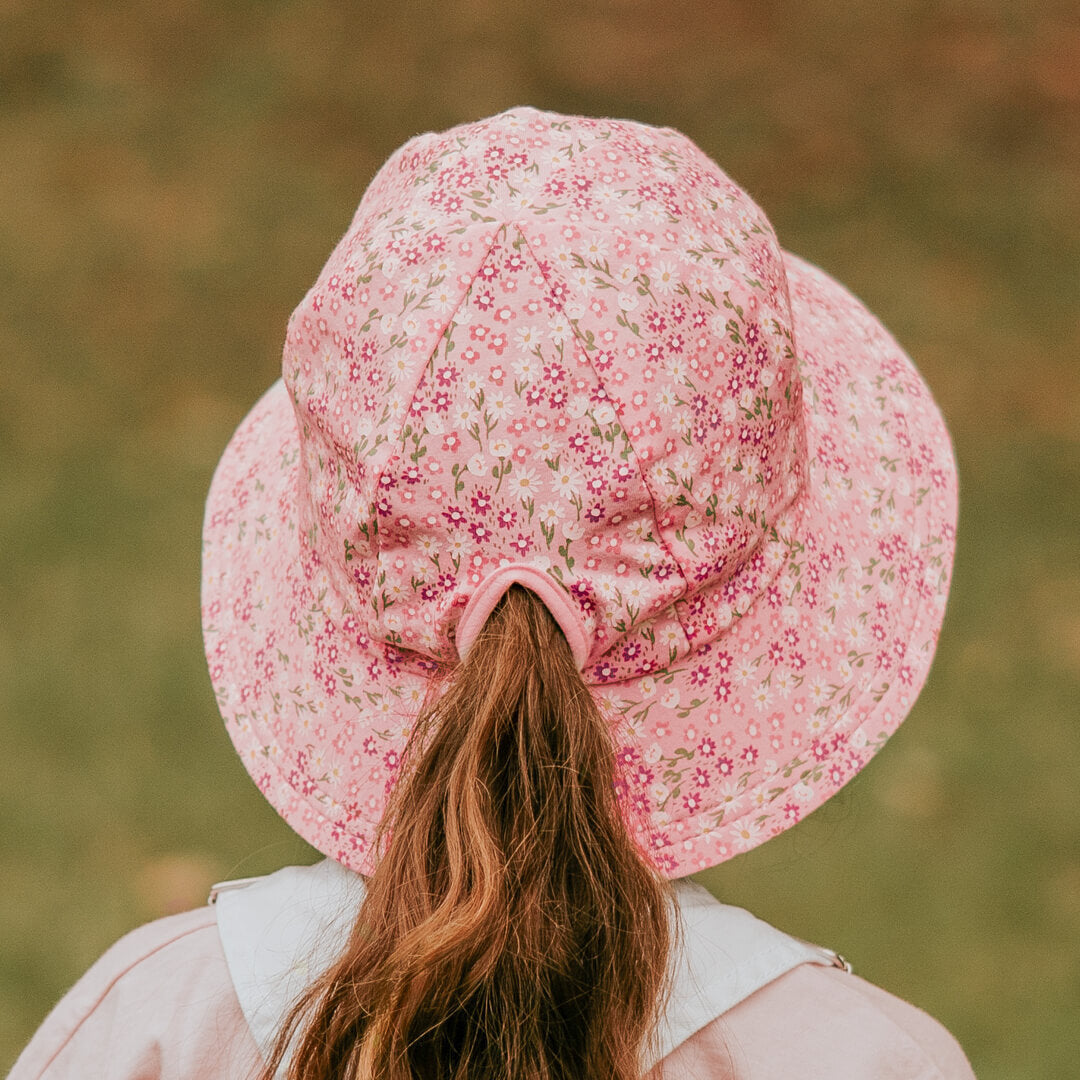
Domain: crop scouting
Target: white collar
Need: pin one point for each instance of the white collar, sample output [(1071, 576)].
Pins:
[(281, 931)]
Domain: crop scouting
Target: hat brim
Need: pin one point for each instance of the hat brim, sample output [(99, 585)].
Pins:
[(813, 681)]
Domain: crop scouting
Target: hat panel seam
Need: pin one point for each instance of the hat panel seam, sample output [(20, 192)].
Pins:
[(637, 458), (397, 442)]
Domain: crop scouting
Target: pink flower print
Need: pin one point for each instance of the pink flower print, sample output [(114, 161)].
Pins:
[(476, 569), (692, 801), (700, 675), (522, 544), (724, 765), (654, 352), (481, 533), (455, 516), (451, 442), (665, 861), (481, 501), (605, 670)]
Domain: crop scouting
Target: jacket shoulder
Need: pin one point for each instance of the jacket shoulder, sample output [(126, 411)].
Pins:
[(817, 1023), (158, 1004)]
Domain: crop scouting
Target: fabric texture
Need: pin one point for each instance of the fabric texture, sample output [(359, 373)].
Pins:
[(281, 931), (576, 347), (160, 1005)]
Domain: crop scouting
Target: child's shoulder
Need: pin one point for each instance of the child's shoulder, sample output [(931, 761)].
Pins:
[(817, 1022), (159, 1003)]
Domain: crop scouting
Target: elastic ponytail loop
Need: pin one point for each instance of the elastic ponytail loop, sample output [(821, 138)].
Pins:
[(513, 929)]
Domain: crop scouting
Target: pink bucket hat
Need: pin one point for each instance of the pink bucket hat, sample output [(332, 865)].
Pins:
[(570, 353)]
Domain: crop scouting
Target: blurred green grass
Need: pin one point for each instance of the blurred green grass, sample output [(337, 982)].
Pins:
[(172, 177)]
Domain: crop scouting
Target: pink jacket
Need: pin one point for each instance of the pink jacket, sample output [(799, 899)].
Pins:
[(162, 1004)]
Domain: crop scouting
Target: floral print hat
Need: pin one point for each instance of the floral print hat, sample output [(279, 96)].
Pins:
[(570, 353)]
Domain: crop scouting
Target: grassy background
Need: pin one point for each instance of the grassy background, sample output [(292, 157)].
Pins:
[(173, 175)]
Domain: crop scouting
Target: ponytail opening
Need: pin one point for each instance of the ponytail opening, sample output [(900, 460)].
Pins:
[(512, 929)]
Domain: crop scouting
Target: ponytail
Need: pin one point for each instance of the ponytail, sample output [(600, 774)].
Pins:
[(512, 930)]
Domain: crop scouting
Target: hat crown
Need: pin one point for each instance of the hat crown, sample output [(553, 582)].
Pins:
[(557, 342)]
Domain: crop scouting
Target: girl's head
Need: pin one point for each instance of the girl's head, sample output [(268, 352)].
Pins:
[(570, 352)]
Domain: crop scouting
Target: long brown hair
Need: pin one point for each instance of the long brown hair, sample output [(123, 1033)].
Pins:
[(512, 930)]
